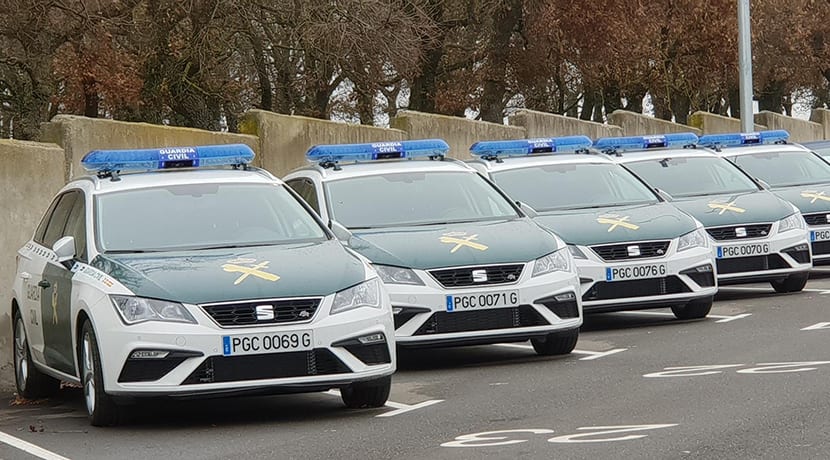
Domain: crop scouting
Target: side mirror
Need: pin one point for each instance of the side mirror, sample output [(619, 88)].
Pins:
[(527, 209), (665, 196), (342, 233), (64, 248)]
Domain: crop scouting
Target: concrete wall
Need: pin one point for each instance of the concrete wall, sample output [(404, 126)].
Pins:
[(822, 117), (460, 133), (712, 123), (636, 124), (284, 139), (30, 175), (800, 130), (80, 135), (542, 124)]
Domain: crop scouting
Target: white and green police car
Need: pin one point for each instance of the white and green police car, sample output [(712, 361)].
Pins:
[(633, 249), (183, 283), (791, 171), (462, 262), (758, 236)]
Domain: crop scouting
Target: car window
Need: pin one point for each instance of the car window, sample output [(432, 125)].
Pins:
[(57, 221), (415, 198), (197, 216), (573, 186), (76, 227), (693, 176), (782, 169), (307, 191), (44, 222)]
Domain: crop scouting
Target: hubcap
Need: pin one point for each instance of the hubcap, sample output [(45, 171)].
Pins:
[(89, 375), (21, 363)]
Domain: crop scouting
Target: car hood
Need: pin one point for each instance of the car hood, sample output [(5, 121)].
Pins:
[(617, 224), (219, 275), (718, 210), (808, 199), (473, 243)]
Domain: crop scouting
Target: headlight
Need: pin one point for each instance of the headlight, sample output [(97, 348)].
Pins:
[(576, 252), (694, 239), (398, 275), (135, 310), (555, 261), (792, 222), (366, 294)]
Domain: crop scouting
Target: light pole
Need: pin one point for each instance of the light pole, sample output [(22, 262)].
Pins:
[(745, 67)]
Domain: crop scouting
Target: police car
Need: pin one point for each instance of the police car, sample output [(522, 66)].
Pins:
[(632, 248), (757, 235), (206, 281), (791, 171), (462, 262)]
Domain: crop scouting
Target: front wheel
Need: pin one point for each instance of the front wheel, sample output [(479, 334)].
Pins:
[(100, 406), (372, 393), (693, 310), (557, 343), (30, 382), (792, 283)]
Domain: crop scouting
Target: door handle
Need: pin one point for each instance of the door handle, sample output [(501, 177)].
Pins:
[(44, 284)]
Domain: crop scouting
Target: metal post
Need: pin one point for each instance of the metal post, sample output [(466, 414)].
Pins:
[(745, 67)]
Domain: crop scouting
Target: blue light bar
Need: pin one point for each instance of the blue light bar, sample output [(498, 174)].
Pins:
[(378, 151), (623, 144), (522, 147), (104, 161), (741, 139)]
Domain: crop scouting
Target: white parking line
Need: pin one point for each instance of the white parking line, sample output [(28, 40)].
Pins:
[(817, 326), (400, 408), (591, 354), (29, 448), (719, 318)]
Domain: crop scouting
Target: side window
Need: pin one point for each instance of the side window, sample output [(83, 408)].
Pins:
[(57, 222), (76, 226), (305, 188), (41, 228)]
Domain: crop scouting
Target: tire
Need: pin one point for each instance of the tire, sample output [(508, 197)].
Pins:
[(100, 406), (695, 309), (792, 283), (373, 393), (30, 382), (557, 343)]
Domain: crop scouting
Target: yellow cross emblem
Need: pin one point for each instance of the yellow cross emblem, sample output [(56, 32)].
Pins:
[(460, 239), (815, 196), (616, 221), (55, 304), (235, 266), (726, 207)]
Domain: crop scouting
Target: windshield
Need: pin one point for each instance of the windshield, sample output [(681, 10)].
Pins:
[(415, 198), (201, 216), (693, 176), (782, 169), (573, 186)]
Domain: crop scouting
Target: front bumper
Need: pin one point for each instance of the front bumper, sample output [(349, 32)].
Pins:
[(788, 253), (544, 304), (689, 275), (196, 364)]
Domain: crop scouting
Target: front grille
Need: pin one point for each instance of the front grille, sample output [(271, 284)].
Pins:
[(376, 353), (729, 233), (444, 322), (620, 251), (268, 366), (821, 247), (817, 219), (496, 274), (750, 264), (271, 312), (607, 290)]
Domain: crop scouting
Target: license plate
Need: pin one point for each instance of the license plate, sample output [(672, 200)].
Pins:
[(634, 272), (819, 235), (481, 301), (255, 344), (744, 250)]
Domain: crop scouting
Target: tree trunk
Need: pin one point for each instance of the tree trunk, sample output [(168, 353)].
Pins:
[(734, 100), (506, 19), (611, 98), (680, 105), (772, 97), (661, 107), (588, 102)]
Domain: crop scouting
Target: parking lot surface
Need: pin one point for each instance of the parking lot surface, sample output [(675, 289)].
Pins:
[(749, 381)]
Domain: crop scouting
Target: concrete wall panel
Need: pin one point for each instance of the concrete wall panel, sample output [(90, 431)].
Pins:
[(541, 124), (636, 124), (711, 123), (800, 130)]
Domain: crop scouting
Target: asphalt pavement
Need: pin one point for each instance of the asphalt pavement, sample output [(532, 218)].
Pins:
[(749, 381)]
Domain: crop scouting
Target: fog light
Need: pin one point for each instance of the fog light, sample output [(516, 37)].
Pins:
[(565, 297), (149, 354), (704, 269), (372, 338)]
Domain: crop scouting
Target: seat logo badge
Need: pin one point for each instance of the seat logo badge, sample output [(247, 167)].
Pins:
[(304, 314), (615, 220), (633, 251), (264, 312), (249, 267), (740, 232), (511, 277), (723, 207), (55, 304), (480, 276), (461, 239), (813, 195)]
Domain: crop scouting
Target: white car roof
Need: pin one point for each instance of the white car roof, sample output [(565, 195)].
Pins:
[(659, 154), (508, 163), (372, 168), (132, 181), (765, 148)]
